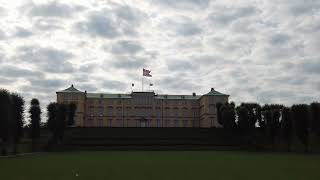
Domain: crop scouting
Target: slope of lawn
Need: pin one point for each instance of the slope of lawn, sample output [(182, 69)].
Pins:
[(153, 165)]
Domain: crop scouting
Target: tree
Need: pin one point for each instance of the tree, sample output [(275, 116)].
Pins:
[(271, 117), (228, 116), (273, 125), (16, 123), (4, 118), (301, 123), (71, 112), (219, 112), (52, 116), (261, 123), (315, 117), (243, 120), (35, 118), (61, 120), (286, 126)]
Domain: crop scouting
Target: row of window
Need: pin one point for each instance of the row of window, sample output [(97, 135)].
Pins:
[(139, 123), (142, 101), (69, 97), (101, 112)]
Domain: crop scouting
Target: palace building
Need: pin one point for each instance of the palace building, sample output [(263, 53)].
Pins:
[(143, 109)]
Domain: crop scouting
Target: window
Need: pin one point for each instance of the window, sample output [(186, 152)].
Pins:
[(158, 123), (176, 123), (176, 112), (158, 113), (100, 122), (119, 111), (100, 101), (100, 111), (185, 123), (110, 123), (110, 111)]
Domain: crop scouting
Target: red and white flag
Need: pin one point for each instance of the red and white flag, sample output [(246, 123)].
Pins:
[(146, 73)]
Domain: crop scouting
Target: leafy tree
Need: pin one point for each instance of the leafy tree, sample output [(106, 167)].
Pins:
[(52, 116), (301, 123), (71, 112), (286, 126), (259, 117), (4, 118), (271, 117), (17, 109), (243, 120), (228, 116), (315, 117), (273, 126), (61, 120), (35, 118), (254, 114), (219, 112)]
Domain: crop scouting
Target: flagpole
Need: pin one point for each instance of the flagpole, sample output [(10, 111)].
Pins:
[(142, 83)]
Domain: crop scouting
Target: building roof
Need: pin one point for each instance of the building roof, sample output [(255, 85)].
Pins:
[(215, 93), (70, 89), (126, 96), (156, 96)]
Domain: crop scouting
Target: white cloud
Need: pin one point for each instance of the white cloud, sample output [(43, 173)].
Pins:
[(265, 51)]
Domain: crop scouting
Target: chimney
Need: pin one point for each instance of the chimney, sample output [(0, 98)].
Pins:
[(212, 89), (194, 94)]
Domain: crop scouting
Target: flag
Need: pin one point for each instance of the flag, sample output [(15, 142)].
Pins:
[(146, 73)]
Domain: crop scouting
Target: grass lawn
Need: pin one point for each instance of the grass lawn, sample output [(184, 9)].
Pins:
[(151, 165)]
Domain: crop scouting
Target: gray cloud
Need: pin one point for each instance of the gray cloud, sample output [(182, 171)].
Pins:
[(17, 72), (111, 23), (183, 4), (88, 68), (297, 7), (279, 39), (99, 25), (130, 15), (2, 35), (127, 62), (262, 51), (182, 27), (22, 33), (126, 47), (188, 29), (45, 24), (3, 11), (47, 59), (113, 84), (310, 66), (48, 83), (222, 15), (180, 65), (53, 9), (4, 80), (86, 87), (178, 84), (2, 56)]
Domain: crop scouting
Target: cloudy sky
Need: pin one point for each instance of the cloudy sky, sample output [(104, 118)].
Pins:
[(266, 51)]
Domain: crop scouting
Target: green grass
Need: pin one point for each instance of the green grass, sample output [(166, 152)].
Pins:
[(151, 165)]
